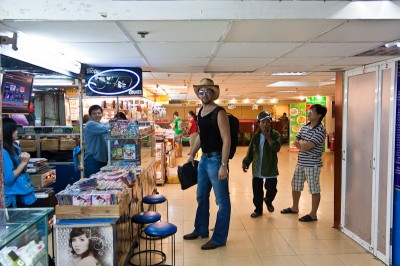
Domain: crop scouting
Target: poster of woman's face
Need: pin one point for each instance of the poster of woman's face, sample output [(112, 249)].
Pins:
[(85, 246)]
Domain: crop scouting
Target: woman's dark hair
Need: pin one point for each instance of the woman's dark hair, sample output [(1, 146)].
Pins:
[(95, 242), (193, 115), (9, 127), (95, 107), (120, 116)]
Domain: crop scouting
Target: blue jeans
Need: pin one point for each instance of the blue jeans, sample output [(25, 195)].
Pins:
[(207, 179), (92, 166)]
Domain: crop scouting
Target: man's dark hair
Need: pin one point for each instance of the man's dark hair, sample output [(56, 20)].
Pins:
[(95, 107), (320, 109), (176, 113)]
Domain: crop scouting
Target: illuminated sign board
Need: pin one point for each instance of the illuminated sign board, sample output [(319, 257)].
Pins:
[(102, 81)]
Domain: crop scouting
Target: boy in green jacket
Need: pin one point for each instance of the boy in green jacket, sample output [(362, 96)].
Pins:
[(263, 153)]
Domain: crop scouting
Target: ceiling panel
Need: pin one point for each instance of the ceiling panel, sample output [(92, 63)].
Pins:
[(176, 31), (177, 62), (254, 49), (357, 31), (72, 31), (278, 30), (305, 61), (178, 49), (330, 49), (100, 52)]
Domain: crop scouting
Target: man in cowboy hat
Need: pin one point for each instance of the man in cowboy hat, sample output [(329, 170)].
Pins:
[(215, 143)]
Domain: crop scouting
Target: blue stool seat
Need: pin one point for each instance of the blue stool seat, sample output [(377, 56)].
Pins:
[(146, 217), (154, 199), (160, 229)]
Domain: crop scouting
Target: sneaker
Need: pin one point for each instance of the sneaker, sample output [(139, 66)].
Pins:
[(270, 207)]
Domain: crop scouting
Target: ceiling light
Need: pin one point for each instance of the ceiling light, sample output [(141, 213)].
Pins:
[(302, 98), (260, 101), (43, 53), (290, 74), (233, 100), (53, 82), (246, 101), (287, 91)]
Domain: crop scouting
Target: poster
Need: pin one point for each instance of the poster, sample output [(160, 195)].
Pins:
[(85, 245), (297, 118)]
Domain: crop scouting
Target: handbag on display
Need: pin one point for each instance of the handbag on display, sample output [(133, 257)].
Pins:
[(187, 174)]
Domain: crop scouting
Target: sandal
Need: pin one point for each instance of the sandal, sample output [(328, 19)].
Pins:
[(288, 211), (307, 218)]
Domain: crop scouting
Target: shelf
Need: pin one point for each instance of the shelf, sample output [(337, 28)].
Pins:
[(81, 212), (50, 134)]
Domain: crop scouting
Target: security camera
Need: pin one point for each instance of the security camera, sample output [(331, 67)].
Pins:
[(4, 40)]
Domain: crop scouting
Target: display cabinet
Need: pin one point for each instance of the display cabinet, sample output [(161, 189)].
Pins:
[(160, 162), (25, 239)]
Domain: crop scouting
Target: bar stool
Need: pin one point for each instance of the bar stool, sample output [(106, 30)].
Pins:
[(155, 199), (142, 219), (160, 230)]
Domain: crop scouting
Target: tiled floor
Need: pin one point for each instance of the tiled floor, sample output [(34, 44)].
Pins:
[(272, 239)]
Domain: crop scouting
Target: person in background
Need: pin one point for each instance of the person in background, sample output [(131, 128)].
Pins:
[(87, 246), (95, 137), (215, 142), (263, 154), (192, 129), (86, 118), (18, 187), (177, 126), (310, 142), (120, 116)]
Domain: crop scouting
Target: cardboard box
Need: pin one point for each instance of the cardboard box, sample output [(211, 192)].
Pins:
[(68, 144), (49, 144), (28, 145)]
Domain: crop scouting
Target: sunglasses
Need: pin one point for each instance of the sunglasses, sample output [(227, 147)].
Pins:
[(208, 92)]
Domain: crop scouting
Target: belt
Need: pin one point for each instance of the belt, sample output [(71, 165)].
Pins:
[(211, 154)]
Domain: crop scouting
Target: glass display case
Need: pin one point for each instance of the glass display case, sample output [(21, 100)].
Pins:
[(24, 241)]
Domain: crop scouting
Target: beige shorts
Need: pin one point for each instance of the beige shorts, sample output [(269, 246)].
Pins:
[(311, 174)]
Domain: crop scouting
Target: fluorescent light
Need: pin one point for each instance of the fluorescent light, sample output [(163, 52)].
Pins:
[(287, 91), (290, 74), (53, 82), (246, 101), (41, 53)]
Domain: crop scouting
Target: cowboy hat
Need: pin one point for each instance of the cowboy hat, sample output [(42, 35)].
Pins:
[(207, 84)]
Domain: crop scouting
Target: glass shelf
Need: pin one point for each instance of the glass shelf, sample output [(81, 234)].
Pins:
[(20, 220)]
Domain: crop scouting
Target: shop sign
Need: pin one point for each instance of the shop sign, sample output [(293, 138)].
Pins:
[(72, 92), (231, 106), (163, 99), (101, 81)]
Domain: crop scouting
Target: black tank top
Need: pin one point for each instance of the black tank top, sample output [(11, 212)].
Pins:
[(210, 137)]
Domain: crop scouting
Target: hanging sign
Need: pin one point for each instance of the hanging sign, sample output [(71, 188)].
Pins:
[(231, 106), (103, 81), (254, 107)]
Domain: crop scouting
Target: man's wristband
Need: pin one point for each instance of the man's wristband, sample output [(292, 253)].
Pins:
[(224, 164)]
